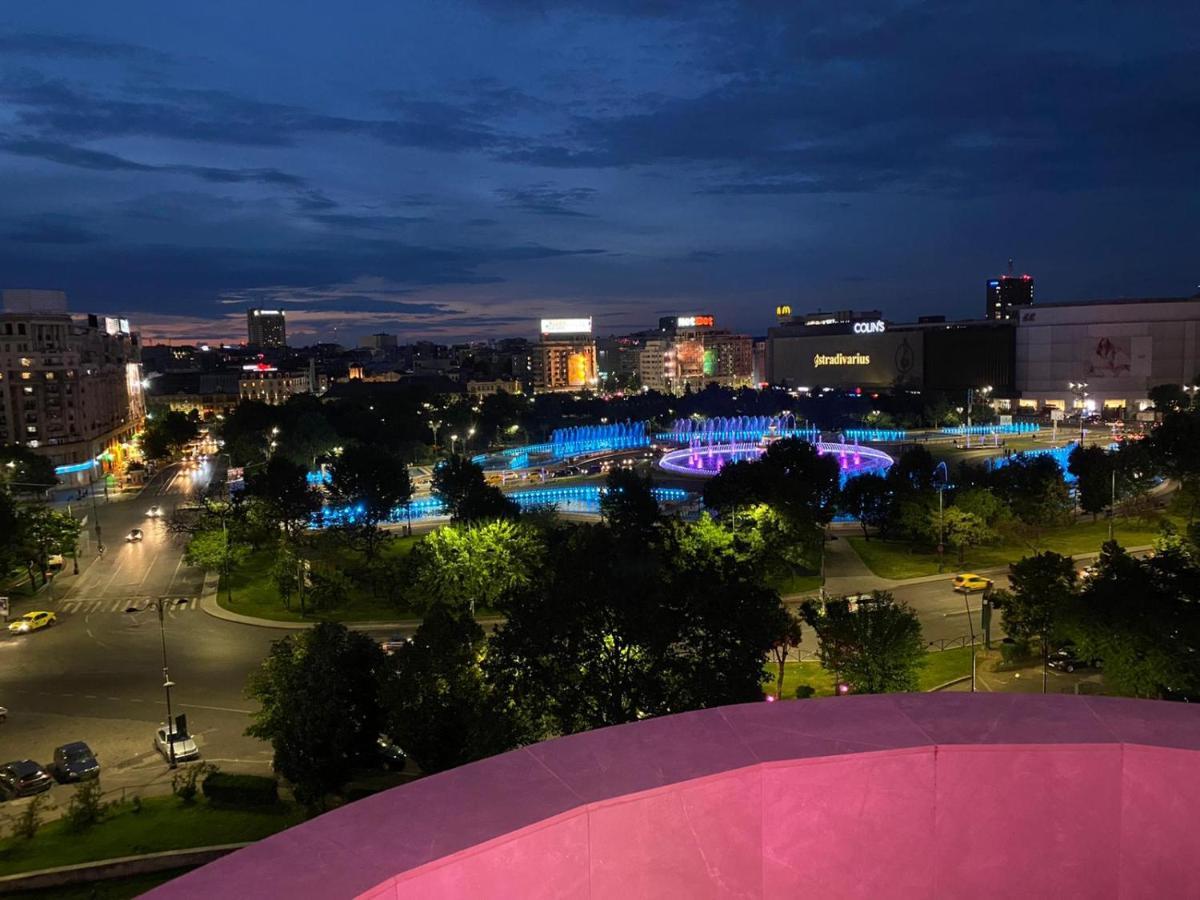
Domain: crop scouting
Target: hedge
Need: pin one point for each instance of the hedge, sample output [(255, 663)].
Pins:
[(241, 790)]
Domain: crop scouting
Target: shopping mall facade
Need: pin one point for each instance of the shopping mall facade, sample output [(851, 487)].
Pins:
[(1100, 356)]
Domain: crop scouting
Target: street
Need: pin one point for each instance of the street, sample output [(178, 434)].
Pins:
[(97, 674)]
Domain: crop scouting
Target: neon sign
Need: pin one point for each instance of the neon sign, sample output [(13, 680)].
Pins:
[(876, 327), (840, 359), (695, 322)]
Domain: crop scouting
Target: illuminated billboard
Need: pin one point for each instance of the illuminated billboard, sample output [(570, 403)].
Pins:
[(695, 322), (577, 369), (873, 359), (567, 326)]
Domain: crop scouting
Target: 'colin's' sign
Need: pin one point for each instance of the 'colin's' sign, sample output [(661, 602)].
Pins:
[(876, 327)]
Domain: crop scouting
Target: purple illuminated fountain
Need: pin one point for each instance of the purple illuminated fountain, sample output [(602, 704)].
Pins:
[(707, 459)]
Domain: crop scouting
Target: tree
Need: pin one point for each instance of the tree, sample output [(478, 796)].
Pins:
[(613, 631), (166, 433), (1169, 398), (214, 550), (875, 646), (1142, 618), (1042, 589), (867, 498), (306, 438), (1033, 488), (282, 486), (25, 471), (788, 639), (439, 707), (44, 532), (320, 708), (736, 487), (628, 505), (1093, 470), (373, 481), (473, 566), (961, 530), (459, 484), (285, 573)]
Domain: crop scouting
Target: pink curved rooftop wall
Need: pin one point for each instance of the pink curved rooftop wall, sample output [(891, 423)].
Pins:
[(904, 795)]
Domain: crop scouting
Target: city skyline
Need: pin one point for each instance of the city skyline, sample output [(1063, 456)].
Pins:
[(460, 171)]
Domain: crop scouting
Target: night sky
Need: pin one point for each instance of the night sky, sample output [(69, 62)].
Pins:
[(459, 169)]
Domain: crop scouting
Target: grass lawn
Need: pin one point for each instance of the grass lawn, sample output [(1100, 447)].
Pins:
[(795, 584), (900, 559), (163, 824), (938, 668), (254, 592)]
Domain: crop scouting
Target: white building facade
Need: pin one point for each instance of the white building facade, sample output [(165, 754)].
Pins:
[(1104, 357)]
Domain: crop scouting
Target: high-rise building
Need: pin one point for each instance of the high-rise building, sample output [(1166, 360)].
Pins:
[(565, 356), (70, 389), (379, 341), (690, 351), (1007, 294), (266, 329)]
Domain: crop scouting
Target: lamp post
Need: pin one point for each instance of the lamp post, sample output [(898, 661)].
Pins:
[(160, 605), (1079, 390), (434, 425), (453, 438)]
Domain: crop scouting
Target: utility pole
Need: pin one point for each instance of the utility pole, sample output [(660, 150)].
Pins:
[(167, 682), (941, 533), (1112, 508)]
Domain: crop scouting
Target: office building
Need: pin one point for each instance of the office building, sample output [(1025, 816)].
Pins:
[(266, 329), (1008, 295), (70, 389), (1104, 356), (380, 341), (691, 352), (564, 359), (266, 384), (861, 350)]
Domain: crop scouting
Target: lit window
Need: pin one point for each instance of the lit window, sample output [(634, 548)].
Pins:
[(26, 361)]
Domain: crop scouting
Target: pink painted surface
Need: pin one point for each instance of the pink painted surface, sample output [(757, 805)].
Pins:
[(912, 795)]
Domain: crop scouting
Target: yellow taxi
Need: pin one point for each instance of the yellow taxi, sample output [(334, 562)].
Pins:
[(32, 621), (968, 583)]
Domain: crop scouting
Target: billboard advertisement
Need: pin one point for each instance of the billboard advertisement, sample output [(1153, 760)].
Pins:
[(1117, 356), (567, 326), (848, 360), (577, 369)]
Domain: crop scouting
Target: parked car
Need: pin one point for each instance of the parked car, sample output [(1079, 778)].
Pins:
[(185, 745), (55, 561), (32, 621), (394, 643), (153, 512), (1087, 573), (968, 583), (75, 762), (23, 778), (1064, 659), (135, 535), (390, 755)]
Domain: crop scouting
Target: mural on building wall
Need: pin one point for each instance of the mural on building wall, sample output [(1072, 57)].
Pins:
[(1111, 357)]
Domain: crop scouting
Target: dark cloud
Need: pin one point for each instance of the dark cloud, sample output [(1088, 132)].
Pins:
[(51, 230), (84, 158), (546, 199)]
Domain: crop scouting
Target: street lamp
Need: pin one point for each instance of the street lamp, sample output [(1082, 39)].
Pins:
[(160, 604), (434, 425), (1079, 390), (453, 438)]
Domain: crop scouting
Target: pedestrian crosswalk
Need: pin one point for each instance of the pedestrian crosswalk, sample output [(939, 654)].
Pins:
[(87, 606)]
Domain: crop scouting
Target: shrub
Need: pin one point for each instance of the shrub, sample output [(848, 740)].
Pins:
[(26, 825), (136, 803), (241, 790), (185, 783), (804, 691), (85, 808)]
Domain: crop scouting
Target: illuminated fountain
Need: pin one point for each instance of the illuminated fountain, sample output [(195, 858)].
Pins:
[(706, 460)]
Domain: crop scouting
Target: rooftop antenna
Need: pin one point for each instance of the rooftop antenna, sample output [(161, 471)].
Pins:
[(1010, 265)]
